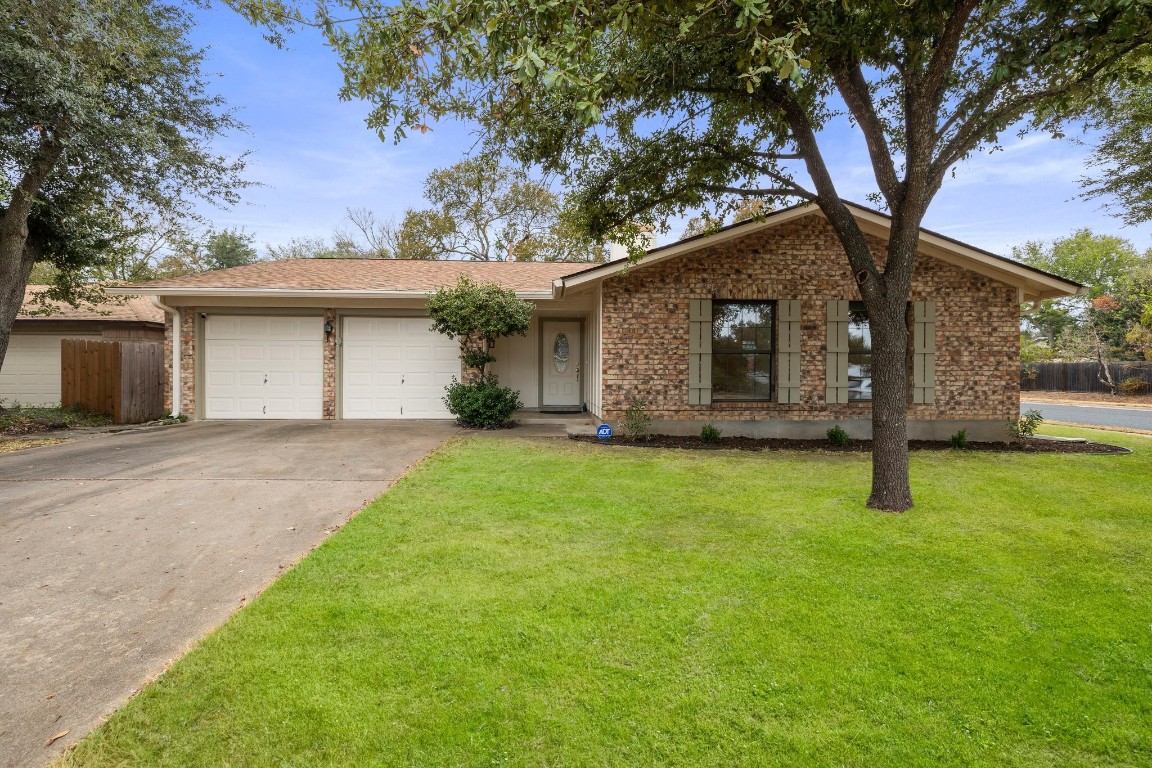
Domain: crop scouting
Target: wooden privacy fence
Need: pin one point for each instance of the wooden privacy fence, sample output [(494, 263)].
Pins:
[(123, 378), (1080, 377)]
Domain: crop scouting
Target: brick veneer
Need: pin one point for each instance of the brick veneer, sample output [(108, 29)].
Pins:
[(187, 361), (645, 327), (167, 363)]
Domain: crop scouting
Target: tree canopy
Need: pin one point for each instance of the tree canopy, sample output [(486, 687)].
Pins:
[(484, 210), (103, 110), (657, 108), (1121, 172)]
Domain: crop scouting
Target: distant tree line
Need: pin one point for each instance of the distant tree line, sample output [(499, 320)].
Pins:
[(1113, 321)]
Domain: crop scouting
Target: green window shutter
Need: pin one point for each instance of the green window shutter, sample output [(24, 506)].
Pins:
[(788, 351), (700, 352), (836, 384), (924, 352)]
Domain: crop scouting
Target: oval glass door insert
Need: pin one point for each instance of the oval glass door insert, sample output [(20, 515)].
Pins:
[(560, 353)]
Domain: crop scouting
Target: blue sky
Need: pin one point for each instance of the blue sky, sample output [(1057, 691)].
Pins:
[(315, 158)]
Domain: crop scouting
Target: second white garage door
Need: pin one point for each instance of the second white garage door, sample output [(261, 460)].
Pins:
[(258, 367), (396, 368)]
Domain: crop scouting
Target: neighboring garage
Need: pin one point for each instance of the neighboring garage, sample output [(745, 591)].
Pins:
[(31, 374), (31, 369), (396, 368), (263, 367)]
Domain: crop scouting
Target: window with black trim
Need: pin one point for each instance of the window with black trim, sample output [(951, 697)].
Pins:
[(859, 353), (743, 335)]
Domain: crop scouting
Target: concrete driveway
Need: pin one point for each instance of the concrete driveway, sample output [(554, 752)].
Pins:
[(117, 553)]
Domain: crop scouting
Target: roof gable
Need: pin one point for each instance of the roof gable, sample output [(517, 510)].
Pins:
[(1034, 284)]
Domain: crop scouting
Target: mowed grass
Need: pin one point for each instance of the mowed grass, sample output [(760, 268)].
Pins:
[(544, 603)]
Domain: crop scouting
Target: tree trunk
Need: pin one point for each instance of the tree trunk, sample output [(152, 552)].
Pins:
[(891, 490), (15, 266), (16, 258)]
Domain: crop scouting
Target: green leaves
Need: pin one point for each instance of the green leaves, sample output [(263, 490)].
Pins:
[(476, 314)]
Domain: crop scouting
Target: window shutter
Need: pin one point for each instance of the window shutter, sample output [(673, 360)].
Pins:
[(700, 352), (923, 352), (836, 385), (788, 351)]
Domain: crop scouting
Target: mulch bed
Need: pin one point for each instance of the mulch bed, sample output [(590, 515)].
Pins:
[(855, 446)]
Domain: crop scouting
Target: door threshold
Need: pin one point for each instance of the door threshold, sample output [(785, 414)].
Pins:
[(560, 410)]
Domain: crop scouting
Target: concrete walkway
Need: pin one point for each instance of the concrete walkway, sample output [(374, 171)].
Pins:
[(117, 553)]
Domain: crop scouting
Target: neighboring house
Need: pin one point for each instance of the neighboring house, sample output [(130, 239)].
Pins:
[(754, 329), (31, 370)]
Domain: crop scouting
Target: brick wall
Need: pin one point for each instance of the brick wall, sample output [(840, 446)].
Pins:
[(645, 331)]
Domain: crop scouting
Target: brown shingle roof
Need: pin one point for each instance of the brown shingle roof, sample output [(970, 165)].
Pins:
[(371, 275), (134, 310)]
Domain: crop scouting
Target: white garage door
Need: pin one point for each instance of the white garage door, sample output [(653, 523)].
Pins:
[(31, 371), (396, 368), (258, 367)]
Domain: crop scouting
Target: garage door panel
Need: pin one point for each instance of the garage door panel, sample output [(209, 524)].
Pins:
[(263, 367), (396, 367)]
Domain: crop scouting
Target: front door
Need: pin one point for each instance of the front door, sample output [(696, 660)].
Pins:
[(561, 361)]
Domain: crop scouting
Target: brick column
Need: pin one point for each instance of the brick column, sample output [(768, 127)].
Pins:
[(167, 363), (188, 361), (330, 340)]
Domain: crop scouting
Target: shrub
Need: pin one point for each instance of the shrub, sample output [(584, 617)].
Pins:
[(837, 436), (482, 403), (709, 434), (1133, 385), (1024, 427), (959, 440), (637, 421)]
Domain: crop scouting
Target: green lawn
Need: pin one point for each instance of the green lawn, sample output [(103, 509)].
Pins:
[(541, 603)]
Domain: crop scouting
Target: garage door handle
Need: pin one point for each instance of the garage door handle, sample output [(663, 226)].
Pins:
[(265, 378)]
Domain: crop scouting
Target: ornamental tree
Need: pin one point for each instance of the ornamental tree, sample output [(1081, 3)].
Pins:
[(477, 315), (103, 111), (653, 109)]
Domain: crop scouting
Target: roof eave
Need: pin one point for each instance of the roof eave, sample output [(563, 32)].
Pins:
[(290, 293)]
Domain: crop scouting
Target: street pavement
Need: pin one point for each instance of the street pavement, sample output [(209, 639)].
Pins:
[(1094, 415)]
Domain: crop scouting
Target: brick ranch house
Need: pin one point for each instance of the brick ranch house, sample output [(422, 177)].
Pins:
[(754, 328)]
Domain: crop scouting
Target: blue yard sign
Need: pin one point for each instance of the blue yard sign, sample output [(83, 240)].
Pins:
[(604, 431)]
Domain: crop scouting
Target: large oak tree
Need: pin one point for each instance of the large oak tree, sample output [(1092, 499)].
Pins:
[(655, 108), (104, 114)]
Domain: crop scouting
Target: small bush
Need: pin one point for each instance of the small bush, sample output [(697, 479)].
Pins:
[(637, 421), (1133, 385), (709, 434), (482, 403), (959, 440), (1024, 427), (837, 436)]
